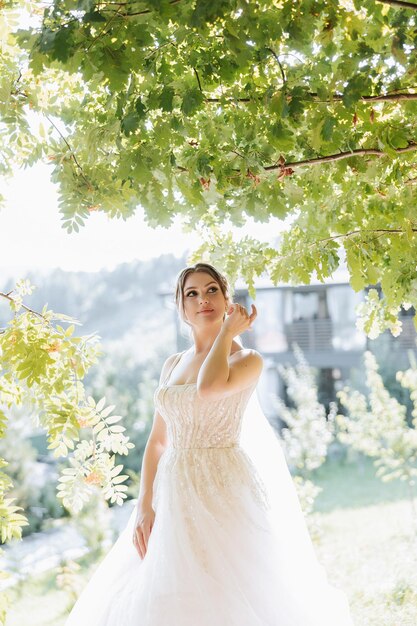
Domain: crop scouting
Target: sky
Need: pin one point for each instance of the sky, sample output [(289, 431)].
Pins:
[(32, 238)]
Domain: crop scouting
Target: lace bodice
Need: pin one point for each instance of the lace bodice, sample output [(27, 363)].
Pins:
[(194, 422)]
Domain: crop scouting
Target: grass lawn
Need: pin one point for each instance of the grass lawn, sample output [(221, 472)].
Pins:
[(364, 540), (367, 544)]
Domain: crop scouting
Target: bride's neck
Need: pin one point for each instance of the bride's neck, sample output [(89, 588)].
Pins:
[(203, 343)]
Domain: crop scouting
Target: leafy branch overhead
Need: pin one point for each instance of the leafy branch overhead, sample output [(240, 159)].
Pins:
[(223, 110)]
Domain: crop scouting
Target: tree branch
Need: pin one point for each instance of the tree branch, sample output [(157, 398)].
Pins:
[(144, 12), (366, 232), (70, 149), (400, 4), (380, 98), (198, 80), (104, 31), (284, 80), (341, 155), (287, 168), (231, 101), (163, 45), (382, 231), (8, 297), (63, 138), (393, 97)]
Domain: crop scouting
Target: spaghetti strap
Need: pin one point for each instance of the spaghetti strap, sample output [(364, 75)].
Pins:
[(179, 355)]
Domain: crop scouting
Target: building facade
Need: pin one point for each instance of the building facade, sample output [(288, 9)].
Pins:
[(321, 319)]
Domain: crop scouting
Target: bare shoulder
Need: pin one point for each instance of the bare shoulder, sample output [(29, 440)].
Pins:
[(245, 368), (246, 356), (247, 362)]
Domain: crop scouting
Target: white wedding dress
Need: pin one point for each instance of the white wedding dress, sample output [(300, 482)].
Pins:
[(213, 558)]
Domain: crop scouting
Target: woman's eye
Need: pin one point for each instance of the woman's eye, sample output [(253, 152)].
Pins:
[(191, 292)]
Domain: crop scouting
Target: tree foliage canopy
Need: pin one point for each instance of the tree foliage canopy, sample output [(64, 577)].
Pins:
[(221, 110)]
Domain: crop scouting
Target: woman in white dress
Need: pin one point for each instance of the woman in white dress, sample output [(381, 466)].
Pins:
[(217, 537)]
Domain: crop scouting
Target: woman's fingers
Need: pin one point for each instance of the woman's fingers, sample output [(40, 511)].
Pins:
[(254, 310), (136, 544), (138, 548), (239, 308), (146, 534), (242, 309), (141, 544), (141, 539), (252, 317)]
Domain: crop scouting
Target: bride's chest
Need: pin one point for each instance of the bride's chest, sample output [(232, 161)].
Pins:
[(182, 403)]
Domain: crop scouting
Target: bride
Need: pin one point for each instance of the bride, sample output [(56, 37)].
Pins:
[(217, 537)]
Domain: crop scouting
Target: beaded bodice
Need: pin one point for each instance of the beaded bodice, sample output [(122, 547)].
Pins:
[(204, 456), (194, 422)]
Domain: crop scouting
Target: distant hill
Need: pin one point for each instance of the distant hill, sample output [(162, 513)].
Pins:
[(121, 305)]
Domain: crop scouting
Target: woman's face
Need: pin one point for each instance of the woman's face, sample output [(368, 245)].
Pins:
[(202, 292)]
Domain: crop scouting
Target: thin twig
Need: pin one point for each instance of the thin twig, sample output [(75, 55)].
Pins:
[(284, 80), (70, 149), (382, 231), (8, 297), (198, 80), (102, 33), (163, 45), (144, 12)]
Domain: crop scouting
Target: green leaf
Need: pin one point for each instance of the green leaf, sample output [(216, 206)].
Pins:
[(282, 137), (358, 85), (192, 100), (327, 128), (94, 16), (140, 108), (166, 99), (278, 104), (398, 137), (130, 123)]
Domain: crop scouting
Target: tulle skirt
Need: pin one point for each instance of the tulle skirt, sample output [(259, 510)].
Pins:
[(215, 557)]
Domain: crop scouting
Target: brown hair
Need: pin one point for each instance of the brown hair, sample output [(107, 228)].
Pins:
[(221, 279)]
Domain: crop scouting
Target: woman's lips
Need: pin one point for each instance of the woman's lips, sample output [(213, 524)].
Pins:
[(208, 311)]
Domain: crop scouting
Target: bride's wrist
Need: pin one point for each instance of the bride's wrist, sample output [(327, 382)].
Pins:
[(226, 332), (144, 499)]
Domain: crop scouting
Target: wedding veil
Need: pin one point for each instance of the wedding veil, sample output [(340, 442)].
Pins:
[(264, 448), (295, 550)]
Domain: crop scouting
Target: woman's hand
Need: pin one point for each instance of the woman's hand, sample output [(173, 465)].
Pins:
[(238, 319), (143, 526)]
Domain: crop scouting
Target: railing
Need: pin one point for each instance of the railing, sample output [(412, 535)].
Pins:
[(407, 338), (321, 334), (315, 334)]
